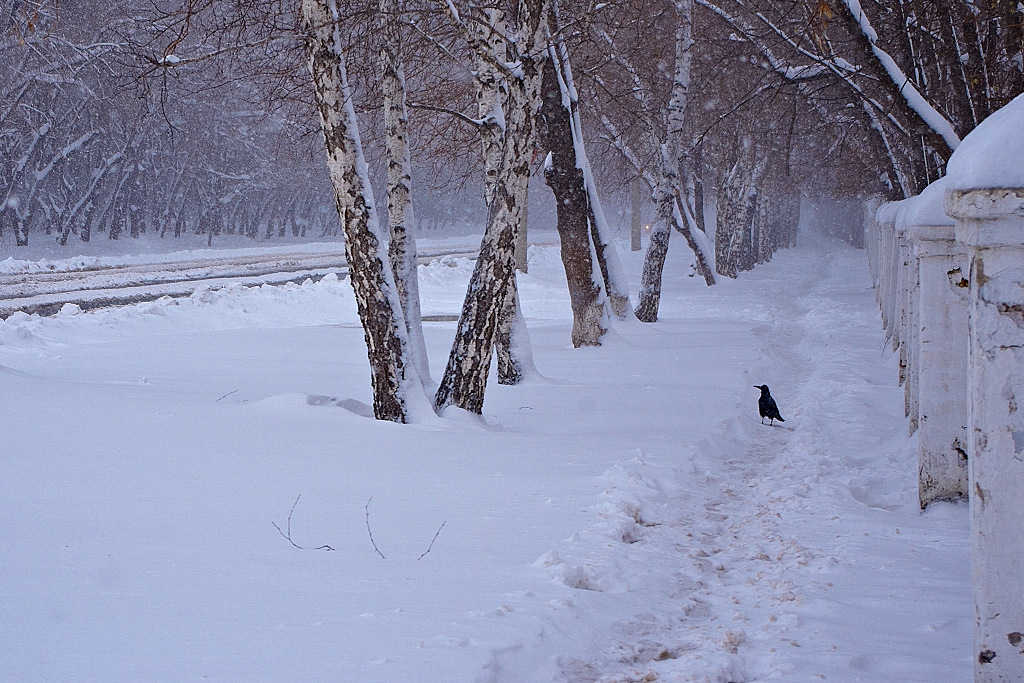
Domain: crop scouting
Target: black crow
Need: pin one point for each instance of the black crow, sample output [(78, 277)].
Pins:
[(766, 405)]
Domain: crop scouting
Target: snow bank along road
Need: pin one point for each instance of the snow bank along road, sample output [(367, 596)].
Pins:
[(45, 292), (621, 516)]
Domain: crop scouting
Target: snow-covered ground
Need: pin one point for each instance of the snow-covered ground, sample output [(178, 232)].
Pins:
[(622, 516)]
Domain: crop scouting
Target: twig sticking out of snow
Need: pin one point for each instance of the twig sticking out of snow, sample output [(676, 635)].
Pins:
[(370, 531), (432, 540), (288, 536)]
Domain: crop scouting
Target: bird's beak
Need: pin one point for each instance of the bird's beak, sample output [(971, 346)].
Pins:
[(756, 387)]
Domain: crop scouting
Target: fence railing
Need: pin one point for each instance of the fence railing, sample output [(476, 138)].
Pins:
[(948, 271)]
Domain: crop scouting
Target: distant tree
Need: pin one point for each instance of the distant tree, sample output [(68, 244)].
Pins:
[(917, 76), (639, 80)]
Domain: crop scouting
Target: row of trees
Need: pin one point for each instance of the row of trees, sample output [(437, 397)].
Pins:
[(87, 150), (765, 100), (124, 116)]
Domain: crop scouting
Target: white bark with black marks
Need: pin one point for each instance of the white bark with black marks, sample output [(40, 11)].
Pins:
[(465, 377), (376, 299), (401, 221), (673, 168)]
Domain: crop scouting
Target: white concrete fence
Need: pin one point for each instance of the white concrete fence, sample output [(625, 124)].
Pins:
[(948, 271)]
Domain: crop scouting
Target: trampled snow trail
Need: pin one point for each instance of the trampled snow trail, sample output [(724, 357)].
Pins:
[(801, 553)]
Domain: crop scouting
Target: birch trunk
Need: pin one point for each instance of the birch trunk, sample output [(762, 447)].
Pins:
[(729, 227), (376, 300), (654, 260), (514, 355), (401, 222), (673, 168), (465, 376), (513, 342)]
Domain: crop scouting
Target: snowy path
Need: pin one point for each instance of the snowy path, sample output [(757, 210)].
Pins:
[(622, 517), (800, 553)]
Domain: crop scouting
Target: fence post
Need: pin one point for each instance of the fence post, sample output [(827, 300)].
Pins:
[(901, 329), (886, 232), (872, 236), (910, 344), (940, 364), (892, 287), (990, 222)]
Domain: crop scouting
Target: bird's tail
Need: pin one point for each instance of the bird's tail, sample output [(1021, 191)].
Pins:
[(779, 418)]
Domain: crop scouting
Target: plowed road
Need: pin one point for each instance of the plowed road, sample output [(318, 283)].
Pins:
[(45, 293)]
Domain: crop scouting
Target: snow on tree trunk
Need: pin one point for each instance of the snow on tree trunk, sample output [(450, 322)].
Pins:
[(567, 182), (514, 355), (673, 168), (376, 299), (991, 225), (616, 285), (514, 351), (492, 99), (465, 376), (604, 250), (401, 222)]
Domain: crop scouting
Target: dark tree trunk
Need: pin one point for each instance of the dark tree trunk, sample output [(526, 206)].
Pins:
[(567, 182)]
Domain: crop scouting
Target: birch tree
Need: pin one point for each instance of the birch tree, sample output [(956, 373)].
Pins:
[(493, 97), (668, 193), (651, 136), (401, 221), (380, 312), (465, 376)]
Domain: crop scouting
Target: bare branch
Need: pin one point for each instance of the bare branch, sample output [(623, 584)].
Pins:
[(432, 540), (288, 536), (477, 123), (370, 531)]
